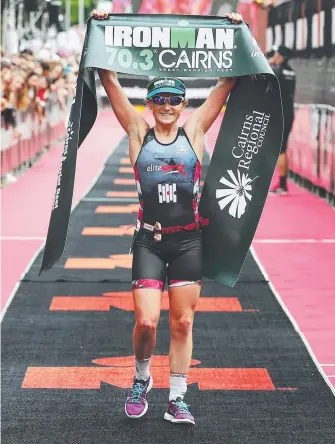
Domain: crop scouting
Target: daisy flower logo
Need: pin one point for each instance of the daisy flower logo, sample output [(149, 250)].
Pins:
[(236, 194)]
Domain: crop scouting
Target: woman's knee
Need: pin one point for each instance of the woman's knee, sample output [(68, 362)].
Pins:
[(181, 327), (146, 326)]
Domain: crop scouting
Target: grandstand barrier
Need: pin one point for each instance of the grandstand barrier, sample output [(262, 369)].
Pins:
[(311, 149), (20, 146)]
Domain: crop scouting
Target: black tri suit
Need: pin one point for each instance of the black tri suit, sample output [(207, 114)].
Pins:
[(167, 243)]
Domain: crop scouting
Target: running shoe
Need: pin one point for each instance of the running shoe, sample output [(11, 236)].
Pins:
[(178, 412), (136, 404), (279, 191)]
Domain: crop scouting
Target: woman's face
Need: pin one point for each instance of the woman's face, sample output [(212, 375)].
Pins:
[(56, 72), (23, 63), (166, 114), (17, 83), (31, 65), (16, 60), (38, 69), (33, 81)]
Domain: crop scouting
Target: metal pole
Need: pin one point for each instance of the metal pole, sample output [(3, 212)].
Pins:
[(81, 12), (67, 15), (9, 28), (20, 28)]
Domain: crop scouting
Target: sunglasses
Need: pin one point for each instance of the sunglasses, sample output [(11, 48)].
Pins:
[(161, 100)]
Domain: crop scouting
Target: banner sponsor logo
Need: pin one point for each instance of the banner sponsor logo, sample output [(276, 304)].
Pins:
[(172, 48), (166, 37)]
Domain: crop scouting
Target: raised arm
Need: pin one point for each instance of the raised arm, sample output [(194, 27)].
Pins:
[(130, 119), (202, 118)]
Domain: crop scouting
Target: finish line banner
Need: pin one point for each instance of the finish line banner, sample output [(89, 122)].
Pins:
[(248, 142)]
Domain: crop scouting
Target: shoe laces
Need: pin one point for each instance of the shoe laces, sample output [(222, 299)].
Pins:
[(182, 406), (136, 392)]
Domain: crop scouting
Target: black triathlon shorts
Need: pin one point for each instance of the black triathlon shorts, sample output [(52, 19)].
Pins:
[(288, 123), (177, 258)]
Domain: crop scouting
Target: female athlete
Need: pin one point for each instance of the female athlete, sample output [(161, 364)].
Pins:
[(168, 242)]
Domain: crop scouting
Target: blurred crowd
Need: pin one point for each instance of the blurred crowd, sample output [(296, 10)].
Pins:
[(195, 7), (27, 83)]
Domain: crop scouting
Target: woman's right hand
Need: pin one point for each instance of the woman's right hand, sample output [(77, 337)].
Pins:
[(99, 14)]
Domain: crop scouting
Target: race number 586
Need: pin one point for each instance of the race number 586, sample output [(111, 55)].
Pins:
[(124, 58)]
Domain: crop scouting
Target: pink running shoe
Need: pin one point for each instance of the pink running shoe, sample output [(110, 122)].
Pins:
[(178, 412), (136, 404), (279, 190)]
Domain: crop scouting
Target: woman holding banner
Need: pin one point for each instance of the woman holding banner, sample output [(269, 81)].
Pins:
[(168, 241)]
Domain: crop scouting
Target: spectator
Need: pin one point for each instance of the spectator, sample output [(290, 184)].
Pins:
[(32, 84), (43, 92), (287, 81), (26, 84)]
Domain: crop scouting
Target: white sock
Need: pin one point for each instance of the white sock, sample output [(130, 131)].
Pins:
[(142, 368), (178, 386)]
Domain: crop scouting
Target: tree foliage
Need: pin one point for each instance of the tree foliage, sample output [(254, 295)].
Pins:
[(89, 5)]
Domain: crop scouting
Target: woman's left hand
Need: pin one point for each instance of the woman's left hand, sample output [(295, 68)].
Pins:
[(234, 17)]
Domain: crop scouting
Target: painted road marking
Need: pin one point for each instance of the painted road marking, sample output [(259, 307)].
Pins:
[(121, 194), (121, 376), (124, 301), (126, 170), (119, 209), (119, 181), (98, 263), (109, 231)]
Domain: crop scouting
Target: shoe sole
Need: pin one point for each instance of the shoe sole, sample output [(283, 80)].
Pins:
[(278, 193), (146, 404), (171, 418)]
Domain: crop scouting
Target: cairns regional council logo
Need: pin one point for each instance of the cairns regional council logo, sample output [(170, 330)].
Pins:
[(248, 145), (171, 48), (237, 193)]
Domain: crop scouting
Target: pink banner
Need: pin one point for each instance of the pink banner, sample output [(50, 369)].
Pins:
[(180, 7), (311, 147), (303, 145), (327, 150)]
